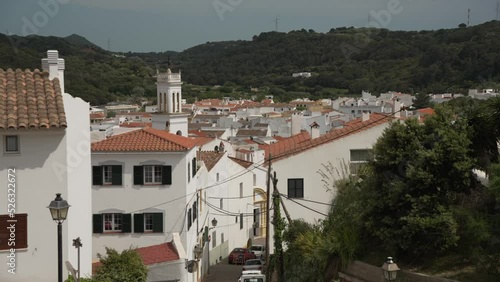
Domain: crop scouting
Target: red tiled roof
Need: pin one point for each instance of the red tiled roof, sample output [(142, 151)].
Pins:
[(158, 253), (243, 163), (151, 255), (207, 133), (297, 143), (210, 158), (145, 140), (142, 114), (97, 116), (200, 141), (426, 111), (30, 100), (251, 132), (136, 124)]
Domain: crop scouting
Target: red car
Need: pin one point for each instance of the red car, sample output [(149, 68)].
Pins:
[(240, 255)]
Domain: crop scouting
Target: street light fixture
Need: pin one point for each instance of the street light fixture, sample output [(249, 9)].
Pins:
[(214, 224), (390, 269), (59, 211)]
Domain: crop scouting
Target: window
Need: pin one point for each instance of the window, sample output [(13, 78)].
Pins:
[(241, 189), (241, 221), (153, 174), (107, 175), (189, 219), (193, 166), (189, 172), (221, 204), (236, 219), (12, 144), (214, 239), (112, 223), (148, 222), (217, 177), (222, 238), (358, 159), (195, 210), (254, 179), (21, 231), (296, 188)]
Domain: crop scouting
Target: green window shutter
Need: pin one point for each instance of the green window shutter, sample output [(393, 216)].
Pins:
[(97, 222), (138, 176), (166, 175), (138, 223), (97, 175), (158, 222), (116, 171), (126, 223)]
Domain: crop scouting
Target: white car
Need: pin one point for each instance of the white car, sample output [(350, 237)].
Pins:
[(252, 276), (258, 250)]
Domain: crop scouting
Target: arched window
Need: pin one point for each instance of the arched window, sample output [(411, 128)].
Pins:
[(178, 132)]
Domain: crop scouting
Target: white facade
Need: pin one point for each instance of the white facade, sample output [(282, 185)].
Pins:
[(337, 153)]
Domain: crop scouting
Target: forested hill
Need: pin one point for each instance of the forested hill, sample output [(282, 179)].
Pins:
[(355, 59), (343, 58)]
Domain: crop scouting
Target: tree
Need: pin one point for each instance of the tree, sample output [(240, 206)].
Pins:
[(416, 174), (126, 266), (422, 100), (462, 25)]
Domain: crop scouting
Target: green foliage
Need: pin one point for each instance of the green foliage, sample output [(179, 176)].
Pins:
[(83, 279), (126, 266), (416, 174)]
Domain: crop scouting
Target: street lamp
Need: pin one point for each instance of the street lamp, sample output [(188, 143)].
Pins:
[(390, 269), (59, 211), (214, 224)]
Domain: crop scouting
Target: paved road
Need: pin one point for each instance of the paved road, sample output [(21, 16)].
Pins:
[(224, 272)]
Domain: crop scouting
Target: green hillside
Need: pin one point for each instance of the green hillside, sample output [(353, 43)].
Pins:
[(343, 60)]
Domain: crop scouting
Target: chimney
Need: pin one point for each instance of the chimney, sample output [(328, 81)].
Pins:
[(54, 66), (314, 130), (365, 116)]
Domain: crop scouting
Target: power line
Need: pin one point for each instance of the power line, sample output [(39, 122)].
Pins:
[(307, 207), (305, 200)]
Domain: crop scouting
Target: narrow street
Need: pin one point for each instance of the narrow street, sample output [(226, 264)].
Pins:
[(224, 272)]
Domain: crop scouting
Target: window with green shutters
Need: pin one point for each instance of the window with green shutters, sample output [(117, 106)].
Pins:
[(112, 223), (107, 175), (148, 223), (153, 175)]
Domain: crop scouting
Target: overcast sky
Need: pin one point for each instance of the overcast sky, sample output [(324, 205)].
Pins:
[(161, 25)]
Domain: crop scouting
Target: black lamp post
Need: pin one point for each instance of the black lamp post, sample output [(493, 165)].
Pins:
[(214, 224), (390, 269), (59, 211)]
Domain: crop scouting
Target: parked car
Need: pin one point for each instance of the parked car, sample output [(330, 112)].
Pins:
[(258, 250), (240, 255), (253, 264), (252, 276)]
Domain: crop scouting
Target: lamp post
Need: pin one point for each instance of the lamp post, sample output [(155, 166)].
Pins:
[(390, 269), (59, 211), (214, 224)]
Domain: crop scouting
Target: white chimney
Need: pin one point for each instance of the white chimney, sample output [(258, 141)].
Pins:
[(365, 116), (54, 66), (315, 133)]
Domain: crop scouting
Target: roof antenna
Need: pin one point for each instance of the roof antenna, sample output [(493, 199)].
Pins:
[(276, 21), (468, 17)]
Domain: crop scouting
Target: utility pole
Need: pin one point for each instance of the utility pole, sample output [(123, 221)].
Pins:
[(109, 44), (276, 24), (279, 226), (498, 11), (468, 17), (268, 194)]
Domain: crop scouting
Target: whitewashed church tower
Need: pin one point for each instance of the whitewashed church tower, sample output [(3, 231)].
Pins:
[(169, 95)]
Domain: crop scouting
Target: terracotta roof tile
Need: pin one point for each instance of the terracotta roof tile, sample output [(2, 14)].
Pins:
[(251, 132), (210, 158), (243, 163), (302, 142), (97, 116), (135, 124), (151, 255), (30, 100), (145, 140)]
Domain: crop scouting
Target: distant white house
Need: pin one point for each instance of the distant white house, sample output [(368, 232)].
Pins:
[(44, 140), (301, 74)]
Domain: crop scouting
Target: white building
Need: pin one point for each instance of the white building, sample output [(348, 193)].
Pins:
[(153, 174), (44, 135), (342, 150)]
